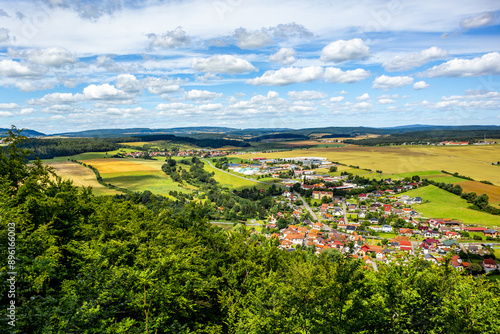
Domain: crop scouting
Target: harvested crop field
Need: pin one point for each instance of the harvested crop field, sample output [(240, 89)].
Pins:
[(81, 176), (479, 188), (471, 161), (111, 165)]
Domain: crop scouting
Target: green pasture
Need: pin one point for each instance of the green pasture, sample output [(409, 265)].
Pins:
[(155, 181), (443, 204)]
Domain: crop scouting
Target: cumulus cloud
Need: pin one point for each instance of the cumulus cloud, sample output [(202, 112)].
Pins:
[(288, 75), (488, 64), (415, 59), (196, 94), (336, 75), (104, 92), (4, 13), (55, 57), (32, 85), (386, 101), (6, 114), (252, 39), (57, 98), (420, 85), (479, 20), (27, 111), (9, 106), (170, 39), (337, 99), (285, 56), (362, 106), (162, 85), (211, 107), (176, 109), (364, 97), (222, 64), (128, 83), (307, 95), (386, 82), (341, 50), (246, 39), (10, 68)]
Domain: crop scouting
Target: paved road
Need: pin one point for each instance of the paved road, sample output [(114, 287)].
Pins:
[(308, 208)]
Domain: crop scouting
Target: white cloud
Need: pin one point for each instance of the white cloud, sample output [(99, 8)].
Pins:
[(128, 83), (252, 39), (6, 114), (336, 75), (9, 106), (57, 98), (222, 64), (10, 68), (170, 39), (288, 75), (285, 56), (32, 85), (415, 59), (337, 99), (420, 85), (211, 107), (386, 82), (55, 57), (4, 35), (479, 20), (307, 95), (161, 85), (488, 64), (362, 106), (385, 101), (104, 92), (342, 50), (196, 94), (364, 97), (27, 111), (302, 108), (177, 108)]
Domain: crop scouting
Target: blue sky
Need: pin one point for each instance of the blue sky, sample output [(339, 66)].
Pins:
[(76, 65)]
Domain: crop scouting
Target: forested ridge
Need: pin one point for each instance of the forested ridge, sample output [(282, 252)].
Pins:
[(88, 264)]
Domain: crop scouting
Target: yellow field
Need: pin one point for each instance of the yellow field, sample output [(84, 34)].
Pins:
[(81, 176), (472, 161), (111, 165), (479, 188)]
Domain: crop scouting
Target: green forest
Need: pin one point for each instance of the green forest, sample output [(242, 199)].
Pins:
[(90, 264)]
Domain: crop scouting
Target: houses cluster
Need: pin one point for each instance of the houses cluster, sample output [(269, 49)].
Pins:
[(179, 153), (318, 235)]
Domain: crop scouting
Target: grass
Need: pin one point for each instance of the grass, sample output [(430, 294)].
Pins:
[(443, 204), (81, 176), (472, 161)]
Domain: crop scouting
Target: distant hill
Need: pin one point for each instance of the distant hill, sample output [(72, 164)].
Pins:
[(25, 132), (233, 133)]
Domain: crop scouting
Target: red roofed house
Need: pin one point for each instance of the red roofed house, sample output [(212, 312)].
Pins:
[(489, 264)]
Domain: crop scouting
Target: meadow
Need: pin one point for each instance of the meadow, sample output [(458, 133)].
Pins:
[(233, 181), (442, 204)]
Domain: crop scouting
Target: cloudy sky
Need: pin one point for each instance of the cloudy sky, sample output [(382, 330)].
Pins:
[(69, 65)]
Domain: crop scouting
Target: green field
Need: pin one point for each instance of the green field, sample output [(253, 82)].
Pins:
[(155, 181), (230, 181), (443, 204)]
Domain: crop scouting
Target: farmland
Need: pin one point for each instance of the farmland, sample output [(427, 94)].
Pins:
[(81, 176), (442, 204), (471, 161)]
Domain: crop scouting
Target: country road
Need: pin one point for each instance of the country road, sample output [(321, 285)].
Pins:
[(308, 208)]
